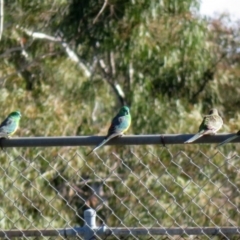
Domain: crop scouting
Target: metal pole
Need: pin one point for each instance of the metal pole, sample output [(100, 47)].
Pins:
[(90, 224), (157, 139)]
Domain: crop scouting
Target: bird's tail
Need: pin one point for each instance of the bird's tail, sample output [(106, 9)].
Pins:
[(98, 146), (227, 141), (104, 142), (195, 137)]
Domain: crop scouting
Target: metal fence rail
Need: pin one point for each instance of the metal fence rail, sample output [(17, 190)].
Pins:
[(90, 230), (153, 139), (158, 189)]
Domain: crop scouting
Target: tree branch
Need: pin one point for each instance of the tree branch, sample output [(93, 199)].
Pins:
[(101, 11), (208, 76), (71, 54), (1, 18), (115, 86)]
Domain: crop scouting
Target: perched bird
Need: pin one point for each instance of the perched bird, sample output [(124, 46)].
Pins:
[(210, 125), (229, 139), (10, 125), (120, 124)]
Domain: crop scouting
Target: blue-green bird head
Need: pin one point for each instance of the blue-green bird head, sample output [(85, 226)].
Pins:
[(124, 111), (16, 115)]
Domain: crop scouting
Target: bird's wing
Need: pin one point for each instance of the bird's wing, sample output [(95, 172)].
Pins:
[(4, 127)]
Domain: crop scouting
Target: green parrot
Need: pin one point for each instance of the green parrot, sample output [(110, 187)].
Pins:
[(210, 125), (10, 125), (120, 124), (229, 139)]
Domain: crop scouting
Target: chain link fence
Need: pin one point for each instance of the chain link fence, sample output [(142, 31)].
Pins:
[(120, 192)]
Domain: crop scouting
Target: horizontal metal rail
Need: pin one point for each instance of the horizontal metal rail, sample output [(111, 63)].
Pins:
[(105, 231), (157, 139)]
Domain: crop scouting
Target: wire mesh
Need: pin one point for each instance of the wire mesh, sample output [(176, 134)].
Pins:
[(157, 187)]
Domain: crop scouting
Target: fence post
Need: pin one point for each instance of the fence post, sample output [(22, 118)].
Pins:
[(90, 224)]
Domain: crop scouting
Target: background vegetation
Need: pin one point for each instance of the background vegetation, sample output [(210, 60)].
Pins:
[(69, 65)]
